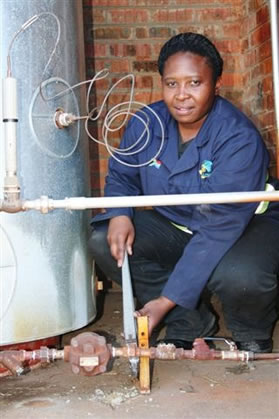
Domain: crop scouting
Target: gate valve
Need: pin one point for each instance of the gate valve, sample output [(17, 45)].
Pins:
[(88, 354)]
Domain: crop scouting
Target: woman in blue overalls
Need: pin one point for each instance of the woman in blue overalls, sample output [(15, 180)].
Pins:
[(177, 253)]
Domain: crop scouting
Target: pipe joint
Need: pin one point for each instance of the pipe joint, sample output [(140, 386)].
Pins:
[(44, 204), (11, 202), (9, 359), (63, 119), (11, 185)]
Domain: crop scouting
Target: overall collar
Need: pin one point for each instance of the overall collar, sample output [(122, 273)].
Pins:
[(169, 154)]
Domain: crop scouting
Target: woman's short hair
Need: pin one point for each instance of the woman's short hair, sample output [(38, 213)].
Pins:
[(196, 44)]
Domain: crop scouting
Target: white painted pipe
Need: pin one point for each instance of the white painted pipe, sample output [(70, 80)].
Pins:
[(9, 111), (10, 122), (44, 204)]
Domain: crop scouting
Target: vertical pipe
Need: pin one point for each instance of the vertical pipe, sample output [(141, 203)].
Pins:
[(11, 184), (274, 12)]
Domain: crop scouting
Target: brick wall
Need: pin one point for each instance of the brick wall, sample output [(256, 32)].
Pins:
[(125, 36), (258, 97)]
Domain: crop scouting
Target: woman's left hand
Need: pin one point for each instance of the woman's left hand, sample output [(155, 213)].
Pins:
[(155, 310)]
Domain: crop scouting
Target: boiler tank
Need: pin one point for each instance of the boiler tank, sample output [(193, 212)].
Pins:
[(46, 281)]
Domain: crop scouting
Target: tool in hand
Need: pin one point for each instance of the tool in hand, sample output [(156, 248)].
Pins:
[(129, 320)]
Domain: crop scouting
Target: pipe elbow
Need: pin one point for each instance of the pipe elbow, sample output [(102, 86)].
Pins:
[(10, 361), (11, 205)]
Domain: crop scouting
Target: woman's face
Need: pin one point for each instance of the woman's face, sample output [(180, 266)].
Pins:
[(188, 88)]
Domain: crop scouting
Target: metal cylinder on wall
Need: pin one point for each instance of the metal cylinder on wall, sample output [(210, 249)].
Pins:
[(46, 286)]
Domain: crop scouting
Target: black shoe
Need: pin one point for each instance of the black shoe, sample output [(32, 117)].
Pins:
[(257, 346), (178, 343)]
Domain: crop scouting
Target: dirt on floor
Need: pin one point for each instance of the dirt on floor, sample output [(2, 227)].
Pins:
[(179, 389)]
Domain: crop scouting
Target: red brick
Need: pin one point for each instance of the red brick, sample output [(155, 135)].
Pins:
[(160, 32), (122, 50), (128, 16), (109, 3), (143, 82), (224, 14), (120, 66), (102, 84), (172, 15), (267, 84), (266, 66), (117, 97), (265, 50), (96, 50), (233, 79), (99, 15), (249, 23), (261, 34), (268, 102), (103, 166), (129, 34), (211, 30), (251, 91), (266, 119), (270, 137), (148, 97), (251, 58), (207, 3), (229, 2), (233, 63), (145, 66), (194, 2), (148, 82), (256, 72), (112, 33), (254, 5), (95, 167), (232, 45), (152, 3), (101, 64), (262, 14), (234, 96), (156, 48), (233, 30), (124, 84), (142, 33), (95, 181), (143, 51)]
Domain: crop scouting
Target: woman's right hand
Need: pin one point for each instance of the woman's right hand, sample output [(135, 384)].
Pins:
[(121, 234)]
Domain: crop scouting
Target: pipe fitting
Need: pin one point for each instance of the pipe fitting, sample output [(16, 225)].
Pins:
[(43, 204), (11, 204), (9, 359), (63, 119)]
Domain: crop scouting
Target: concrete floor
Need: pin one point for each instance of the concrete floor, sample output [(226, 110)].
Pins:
[(180, 389)]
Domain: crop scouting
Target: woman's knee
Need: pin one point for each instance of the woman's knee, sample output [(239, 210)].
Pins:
[(98, 241), (240, 281)]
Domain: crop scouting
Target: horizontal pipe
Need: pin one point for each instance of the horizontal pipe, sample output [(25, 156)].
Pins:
[(171, 353), (44, 204)]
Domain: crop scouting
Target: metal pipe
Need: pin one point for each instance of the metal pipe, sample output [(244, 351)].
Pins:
[(171, 353), (274, 12), (13, 360), (83, 358), (11, 183), (44, 204)]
